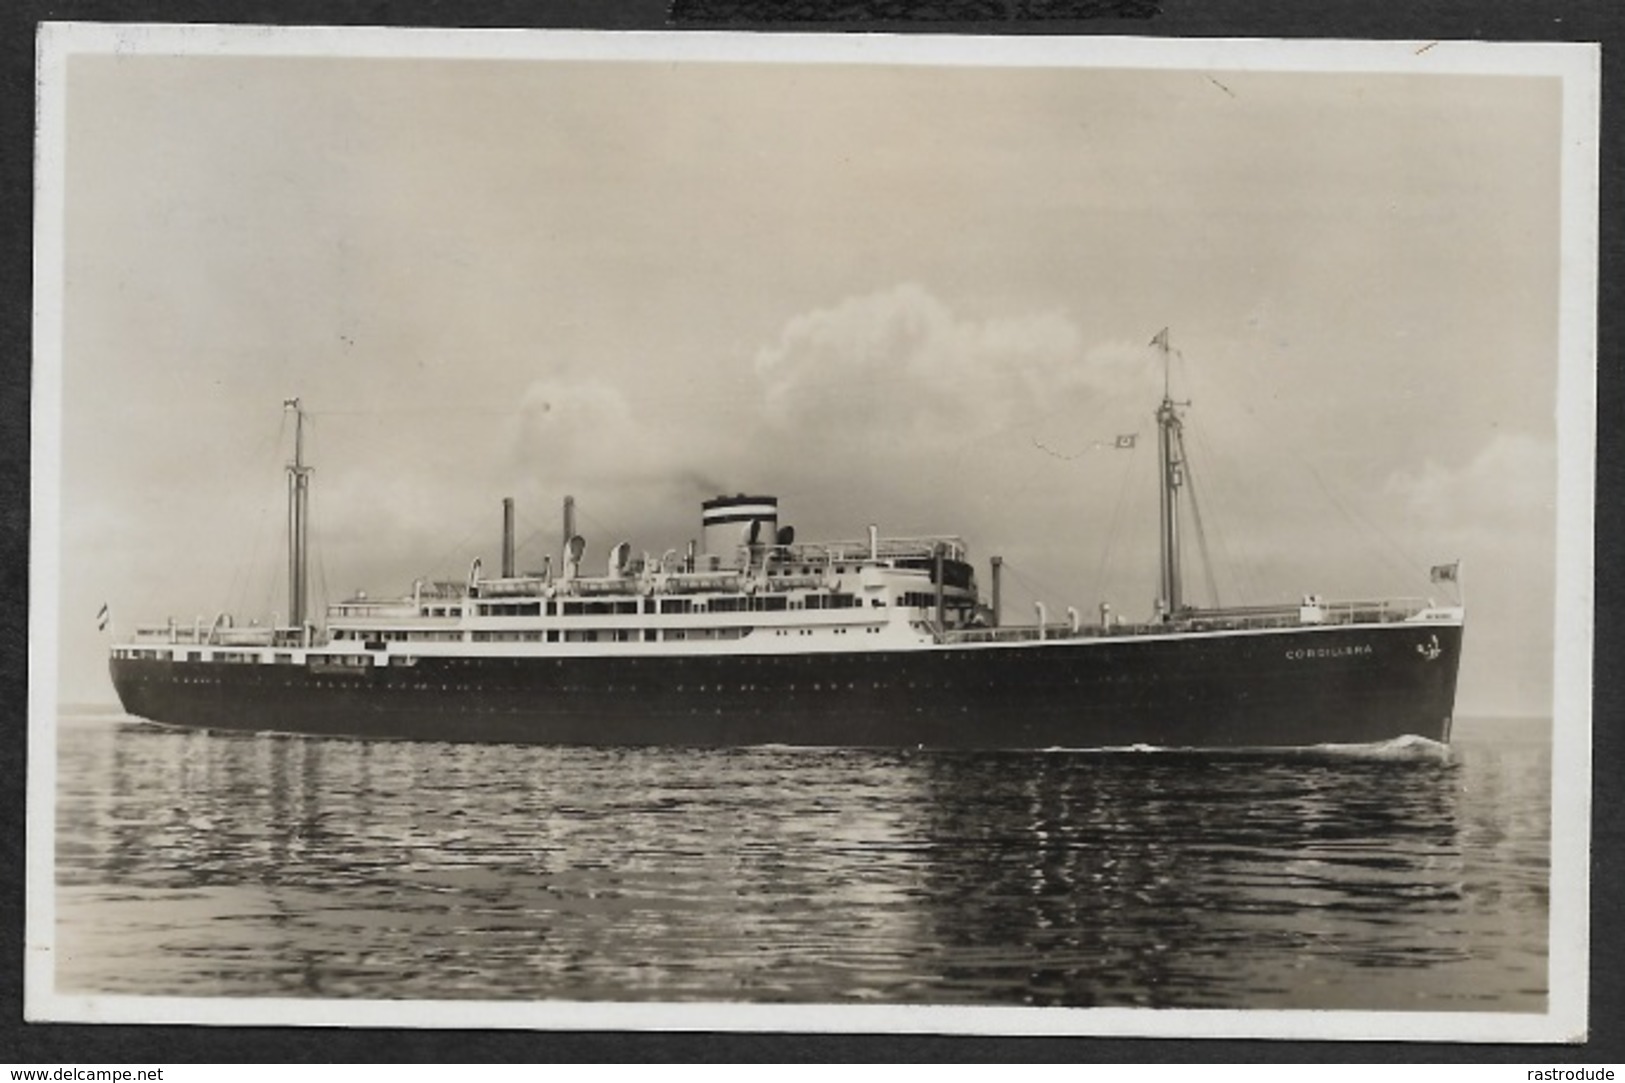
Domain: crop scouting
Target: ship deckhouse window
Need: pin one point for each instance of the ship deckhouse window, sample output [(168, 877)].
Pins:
[(511, 609)]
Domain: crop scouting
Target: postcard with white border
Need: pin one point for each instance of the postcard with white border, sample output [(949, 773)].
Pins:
[(812, 533)]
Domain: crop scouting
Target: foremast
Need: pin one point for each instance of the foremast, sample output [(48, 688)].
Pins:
[(298, 525), (1171, 460)]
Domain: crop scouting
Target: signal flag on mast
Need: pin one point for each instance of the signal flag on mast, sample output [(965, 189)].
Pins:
[(103, 618), (1445, 573), (1126, 441)]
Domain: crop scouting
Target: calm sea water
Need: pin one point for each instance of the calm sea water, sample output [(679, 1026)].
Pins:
[(1384, 878)]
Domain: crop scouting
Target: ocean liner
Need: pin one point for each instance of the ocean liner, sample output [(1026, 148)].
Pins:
[(752, 637)]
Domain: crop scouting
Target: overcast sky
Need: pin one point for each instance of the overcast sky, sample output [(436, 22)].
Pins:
[(912, 295)]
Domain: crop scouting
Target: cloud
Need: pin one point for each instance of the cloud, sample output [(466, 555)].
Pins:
[(1510, 484), (1496, 513), (900, 408), (901, 367), (890, 407)]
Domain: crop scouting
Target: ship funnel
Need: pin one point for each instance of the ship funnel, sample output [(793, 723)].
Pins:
[(996, 602), (787, 535), (507, 537), (726, 523)]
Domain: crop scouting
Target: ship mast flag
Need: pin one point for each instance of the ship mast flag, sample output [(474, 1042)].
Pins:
[(1449, 573)]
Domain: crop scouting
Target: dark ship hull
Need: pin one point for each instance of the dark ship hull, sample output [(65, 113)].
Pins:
[(1348, 684)]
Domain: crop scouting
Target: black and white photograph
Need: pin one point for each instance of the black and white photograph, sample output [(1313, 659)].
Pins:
[(819, 533)]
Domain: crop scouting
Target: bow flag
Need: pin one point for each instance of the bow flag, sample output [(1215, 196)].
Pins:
[(103, 618), (1161, 341), (1445, 573)]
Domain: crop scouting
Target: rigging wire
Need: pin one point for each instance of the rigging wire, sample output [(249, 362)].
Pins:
[(1405, 563), (236, 595), (1241, 572), (406, 411), (445, 558), (608, 530), (1392, 556), (1036, 590), (1201, 530), (1115, 524), (321, 574), (523, 549), (1243, 587)]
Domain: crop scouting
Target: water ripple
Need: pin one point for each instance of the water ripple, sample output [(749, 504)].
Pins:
[(1383, 877)]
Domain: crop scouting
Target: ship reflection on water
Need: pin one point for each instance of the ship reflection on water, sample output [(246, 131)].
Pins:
[(1167, 881), (210, 865)]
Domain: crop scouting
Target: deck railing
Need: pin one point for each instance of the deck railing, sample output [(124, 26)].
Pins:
[(1242, 618), (857, 552), (207, 635)]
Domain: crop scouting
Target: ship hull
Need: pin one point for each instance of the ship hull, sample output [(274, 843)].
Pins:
[(1247, 689)]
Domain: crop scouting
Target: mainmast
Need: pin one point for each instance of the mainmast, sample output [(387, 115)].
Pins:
[(298, 520), (1171, 457)]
